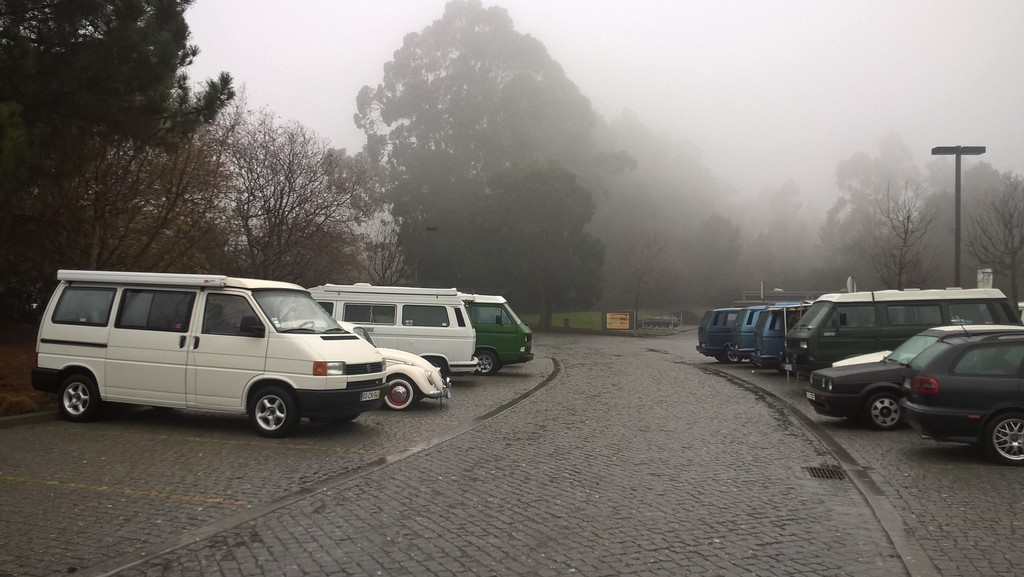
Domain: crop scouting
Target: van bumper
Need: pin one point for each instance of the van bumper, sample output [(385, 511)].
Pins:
[(47, 380), (463, 367), (765, 361), (337, 403)]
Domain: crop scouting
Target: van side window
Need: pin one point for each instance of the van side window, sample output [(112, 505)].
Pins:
[(369, 314), (924, 314), (486, 315), (459, 318), (424, 316), (223, 314), (970, 314), (155, 310), (855, 316), (84, 306)]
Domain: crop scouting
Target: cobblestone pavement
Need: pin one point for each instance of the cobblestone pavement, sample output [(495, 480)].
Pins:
[(965, 511), (635, 458)]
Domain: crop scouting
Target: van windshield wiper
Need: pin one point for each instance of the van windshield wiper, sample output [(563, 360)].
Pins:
[(298, 330)]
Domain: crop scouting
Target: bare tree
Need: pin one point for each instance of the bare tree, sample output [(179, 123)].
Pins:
[(995, 235), (897, 251), (386, 260), (294, 203)]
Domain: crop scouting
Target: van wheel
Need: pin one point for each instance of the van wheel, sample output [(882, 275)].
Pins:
[(883, 411), (274, 412), (400, 394), (79, 398), (487, 363), (730, 354), (1004, 439)]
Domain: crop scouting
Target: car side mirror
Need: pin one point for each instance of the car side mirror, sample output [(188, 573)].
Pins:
[(252, 327)]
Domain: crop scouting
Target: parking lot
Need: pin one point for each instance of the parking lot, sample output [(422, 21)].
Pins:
[(604, 456)]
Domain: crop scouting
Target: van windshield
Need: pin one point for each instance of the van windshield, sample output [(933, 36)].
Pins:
[(818, 312), (512, 314), (294, 311), (762, 321)]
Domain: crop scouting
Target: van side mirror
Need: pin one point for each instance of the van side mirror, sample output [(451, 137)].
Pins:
[(252, 327)]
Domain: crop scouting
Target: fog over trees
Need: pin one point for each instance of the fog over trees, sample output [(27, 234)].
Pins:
[(485, 168)]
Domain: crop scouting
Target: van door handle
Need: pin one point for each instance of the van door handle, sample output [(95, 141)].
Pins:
[(195, 342), (181, 342)]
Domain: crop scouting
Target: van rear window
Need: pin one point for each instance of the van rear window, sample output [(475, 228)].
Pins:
[(88, 306)]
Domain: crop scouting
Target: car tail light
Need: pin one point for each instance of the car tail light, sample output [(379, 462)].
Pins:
[(924, 386)]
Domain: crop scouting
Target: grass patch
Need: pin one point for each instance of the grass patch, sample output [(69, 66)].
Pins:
[(587, 320)]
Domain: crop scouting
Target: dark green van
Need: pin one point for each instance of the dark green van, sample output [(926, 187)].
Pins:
[(501, 338), (842, 325)]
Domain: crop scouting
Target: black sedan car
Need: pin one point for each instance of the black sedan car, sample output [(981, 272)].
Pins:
[(972, 391), (873, 390)]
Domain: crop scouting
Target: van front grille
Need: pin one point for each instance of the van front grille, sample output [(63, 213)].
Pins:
[(363, 368)]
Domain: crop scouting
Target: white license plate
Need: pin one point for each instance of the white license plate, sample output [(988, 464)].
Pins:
[(810, 395), (787, 367), (369, 395)]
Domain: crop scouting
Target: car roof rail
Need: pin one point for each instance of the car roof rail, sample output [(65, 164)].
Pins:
[(1002, 337)]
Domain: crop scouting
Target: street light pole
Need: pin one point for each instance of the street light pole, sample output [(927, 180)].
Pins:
[(958, 151)]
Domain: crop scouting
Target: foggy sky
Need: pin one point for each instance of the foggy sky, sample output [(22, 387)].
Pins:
[(769, 91)]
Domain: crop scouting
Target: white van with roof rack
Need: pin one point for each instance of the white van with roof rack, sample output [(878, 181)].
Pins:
[(430, 322), (209, 342)]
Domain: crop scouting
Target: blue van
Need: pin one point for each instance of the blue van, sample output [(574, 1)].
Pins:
[(741, 345), (715, 333), (770, 334)]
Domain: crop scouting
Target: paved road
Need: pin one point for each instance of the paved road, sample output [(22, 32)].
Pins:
[(623, 456)]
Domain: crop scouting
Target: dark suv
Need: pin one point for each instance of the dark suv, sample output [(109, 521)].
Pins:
[(873, 390), (972, 391)]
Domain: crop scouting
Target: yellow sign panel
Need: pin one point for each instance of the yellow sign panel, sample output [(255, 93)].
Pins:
[(621, 321)]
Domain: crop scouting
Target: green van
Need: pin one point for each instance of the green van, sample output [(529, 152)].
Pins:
[(501, 338), (842, 325)]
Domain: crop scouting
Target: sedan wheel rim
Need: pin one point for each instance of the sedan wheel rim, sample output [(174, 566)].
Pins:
[(76, 398), (885, 412), (1008, 439), (270, 413)]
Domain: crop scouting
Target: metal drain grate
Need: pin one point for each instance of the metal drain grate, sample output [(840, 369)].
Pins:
[(828, 472)]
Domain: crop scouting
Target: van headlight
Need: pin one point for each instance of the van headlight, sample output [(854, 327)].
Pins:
[(803, 344), (328, 368)]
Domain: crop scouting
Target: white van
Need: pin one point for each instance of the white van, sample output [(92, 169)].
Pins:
[(430, 322), (209, 342)]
